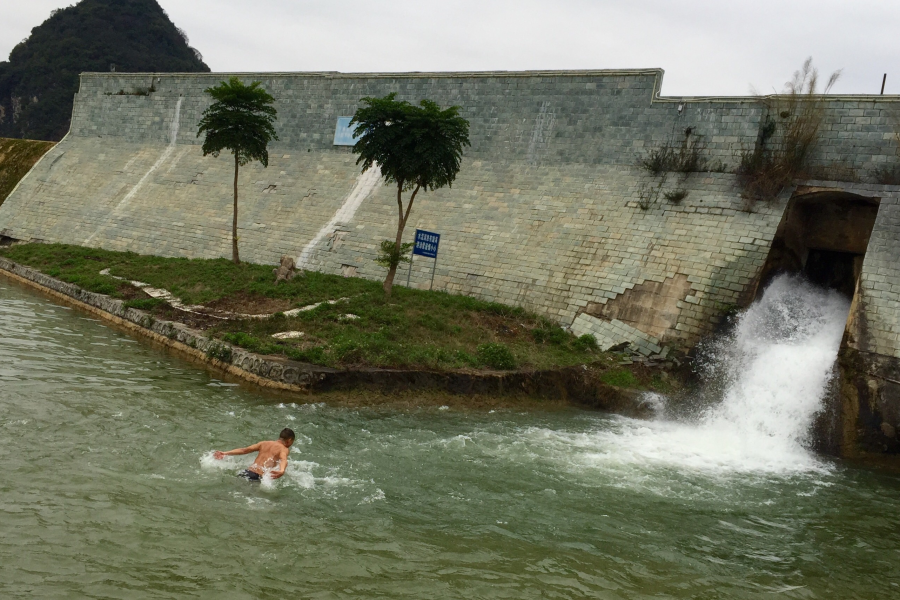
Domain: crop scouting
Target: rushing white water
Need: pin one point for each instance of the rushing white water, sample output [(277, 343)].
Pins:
[(773, 372), (365, 185), (779, 363)]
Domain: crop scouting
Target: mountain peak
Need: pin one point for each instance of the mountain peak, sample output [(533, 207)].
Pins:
[(38, 84)]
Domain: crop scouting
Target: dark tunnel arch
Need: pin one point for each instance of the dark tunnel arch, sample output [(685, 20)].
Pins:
[(823, 234)]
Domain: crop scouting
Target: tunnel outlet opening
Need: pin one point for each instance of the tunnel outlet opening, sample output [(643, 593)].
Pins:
[(823, 235)]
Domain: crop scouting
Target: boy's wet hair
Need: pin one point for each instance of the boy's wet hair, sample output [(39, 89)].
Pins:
[(287, 434)]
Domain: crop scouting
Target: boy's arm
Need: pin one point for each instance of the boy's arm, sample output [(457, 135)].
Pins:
[(237, 451)]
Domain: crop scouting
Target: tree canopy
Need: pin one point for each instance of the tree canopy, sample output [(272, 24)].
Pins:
[(412, 145), (418, 148), (39, 82), (241, 119)]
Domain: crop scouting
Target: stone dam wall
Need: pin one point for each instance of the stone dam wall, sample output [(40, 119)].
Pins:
[(551, 210)]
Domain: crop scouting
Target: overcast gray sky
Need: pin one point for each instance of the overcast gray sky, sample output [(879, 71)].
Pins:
[(707, 47)]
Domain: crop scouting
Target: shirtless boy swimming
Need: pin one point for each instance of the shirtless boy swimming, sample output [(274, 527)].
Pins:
[(272, 457)]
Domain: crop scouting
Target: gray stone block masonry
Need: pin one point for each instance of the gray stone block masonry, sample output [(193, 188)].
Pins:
[(545, 213)]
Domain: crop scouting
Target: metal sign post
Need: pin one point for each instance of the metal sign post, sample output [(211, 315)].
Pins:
[(426, 244), (409, 270)]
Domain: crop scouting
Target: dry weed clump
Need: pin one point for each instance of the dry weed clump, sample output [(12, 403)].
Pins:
[(676, 196), (786, 139), (680, 157), (684, 157)]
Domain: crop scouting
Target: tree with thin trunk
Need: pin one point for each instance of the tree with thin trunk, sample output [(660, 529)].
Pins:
[(241, 119), (418, 148)]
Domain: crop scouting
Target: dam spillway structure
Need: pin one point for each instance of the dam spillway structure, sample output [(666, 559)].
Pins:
[(554, 209)]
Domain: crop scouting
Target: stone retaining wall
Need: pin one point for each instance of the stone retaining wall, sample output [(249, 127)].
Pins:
[(265, 371)]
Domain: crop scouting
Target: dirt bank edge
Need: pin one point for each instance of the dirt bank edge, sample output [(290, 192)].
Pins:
[(571, 384)]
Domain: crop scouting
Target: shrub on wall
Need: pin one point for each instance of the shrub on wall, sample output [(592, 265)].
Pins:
[(496, 356), (681, 157), (787, 137)]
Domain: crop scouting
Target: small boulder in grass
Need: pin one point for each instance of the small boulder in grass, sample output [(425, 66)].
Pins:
[(288, 335), (287, 270)]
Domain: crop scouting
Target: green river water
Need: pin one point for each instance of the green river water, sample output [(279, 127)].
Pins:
[(108, 491)]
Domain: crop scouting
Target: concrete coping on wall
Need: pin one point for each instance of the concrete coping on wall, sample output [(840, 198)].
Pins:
[(845, 186), (400, 74), (657, 73)]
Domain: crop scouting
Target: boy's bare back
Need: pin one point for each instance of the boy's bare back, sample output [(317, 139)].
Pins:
[(271, 456)]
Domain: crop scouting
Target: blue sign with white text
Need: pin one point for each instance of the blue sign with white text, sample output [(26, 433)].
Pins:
[(343, 133), (427, 243)]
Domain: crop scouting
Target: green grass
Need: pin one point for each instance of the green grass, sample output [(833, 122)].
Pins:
[(412, 329), (145, 303), (16, 159), (620, 378), (195, 281), (496, 356)]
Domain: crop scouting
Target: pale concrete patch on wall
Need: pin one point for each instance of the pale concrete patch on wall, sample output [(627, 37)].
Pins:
[(610, 334), (173, 140), (652, 306), (365, 185)]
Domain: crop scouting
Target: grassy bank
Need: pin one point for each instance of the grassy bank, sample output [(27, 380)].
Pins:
[(412, 329), (16, 159)]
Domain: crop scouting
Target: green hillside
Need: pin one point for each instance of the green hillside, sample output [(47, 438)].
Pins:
[(38, 83), (16, 159)]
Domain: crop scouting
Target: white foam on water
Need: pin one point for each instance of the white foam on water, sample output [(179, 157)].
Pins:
[(377, 496), (776, 367), (365, 185), (302, 475), (254, 502), (232, 463), (301, 439), (302, 479)]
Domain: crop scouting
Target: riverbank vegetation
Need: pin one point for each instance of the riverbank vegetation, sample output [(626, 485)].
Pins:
[(353, 324), (16, 159)]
